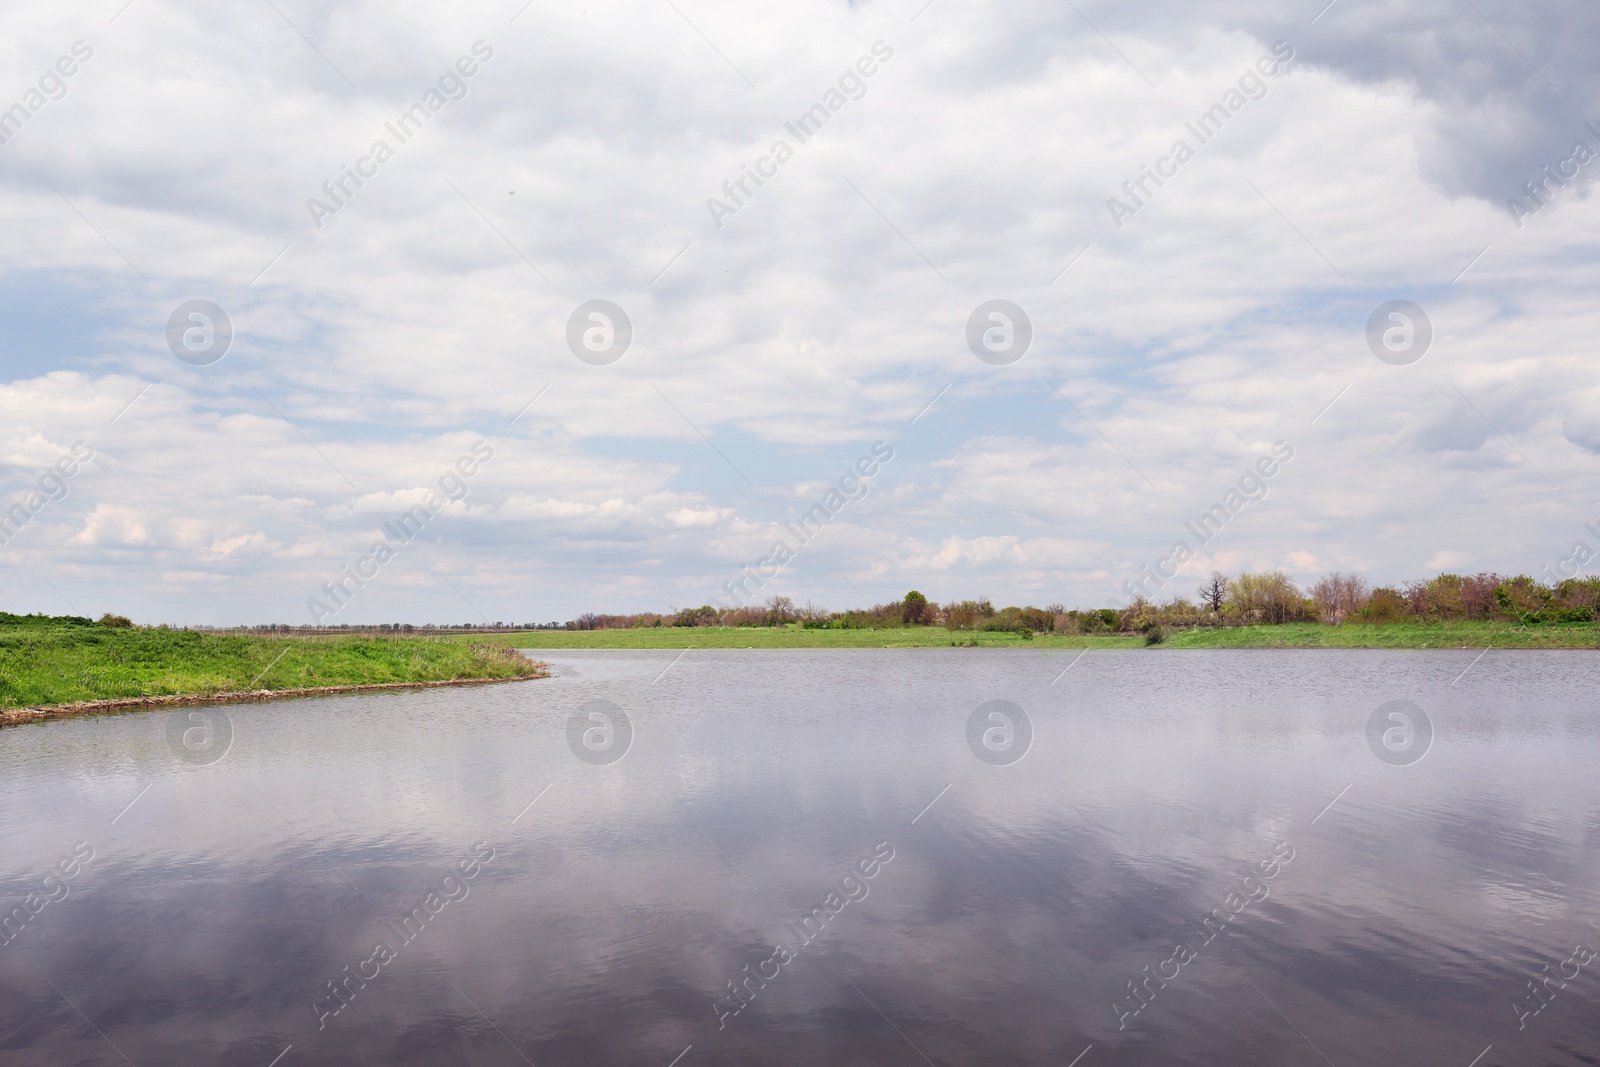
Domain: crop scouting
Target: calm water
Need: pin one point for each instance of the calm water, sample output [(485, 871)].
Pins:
[(1002, 925)]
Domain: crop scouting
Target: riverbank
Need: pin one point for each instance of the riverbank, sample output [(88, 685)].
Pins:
[(17, 716), (676, 637), (1290, 635), (1456, 635), (53, 667)]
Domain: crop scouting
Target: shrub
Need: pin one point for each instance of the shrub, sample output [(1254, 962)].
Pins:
[(1577, 593), (1038, 620), (118, 622), (968, 614), (1521, 598), (705, 615), (1269, 597), (1384, 605), (1092, 622)]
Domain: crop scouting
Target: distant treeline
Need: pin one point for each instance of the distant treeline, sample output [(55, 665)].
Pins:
[(1245, 600)]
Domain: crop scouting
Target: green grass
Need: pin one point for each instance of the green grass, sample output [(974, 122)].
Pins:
[(791, 637), (1292, 635), (58, 661), (61, 661), (1461, 634)]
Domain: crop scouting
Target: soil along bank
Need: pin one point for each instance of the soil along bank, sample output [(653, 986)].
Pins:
[(259, 696), (67, 666)]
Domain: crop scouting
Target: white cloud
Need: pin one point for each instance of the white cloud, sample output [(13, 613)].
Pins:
[(109, 524), (822, 316)]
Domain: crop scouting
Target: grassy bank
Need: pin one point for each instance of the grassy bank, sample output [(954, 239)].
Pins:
[(1289, 635), (674, 637), (1460, 634), (46, 661)]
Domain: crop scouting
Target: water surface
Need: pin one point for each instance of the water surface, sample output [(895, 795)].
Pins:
[(594, 909)]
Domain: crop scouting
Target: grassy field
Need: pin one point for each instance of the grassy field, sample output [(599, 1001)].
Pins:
[(58, 661), (1293, 635), (61, 661), (1395, 635), (791, 637)]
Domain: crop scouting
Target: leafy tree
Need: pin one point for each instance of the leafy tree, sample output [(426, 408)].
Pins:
[(915, 611)]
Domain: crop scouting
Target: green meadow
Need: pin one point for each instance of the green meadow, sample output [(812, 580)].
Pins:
[(59, 660)]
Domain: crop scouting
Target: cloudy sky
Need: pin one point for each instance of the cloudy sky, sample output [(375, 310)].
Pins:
[(538, 157)]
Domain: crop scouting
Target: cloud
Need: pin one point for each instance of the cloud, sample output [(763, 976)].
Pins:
[(1447, 560), (431, 310), (109, 524)]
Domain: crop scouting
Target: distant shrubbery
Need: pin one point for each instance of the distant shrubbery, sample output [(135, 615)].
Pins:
[(36, 621), (1245, 600), (1253, 599)]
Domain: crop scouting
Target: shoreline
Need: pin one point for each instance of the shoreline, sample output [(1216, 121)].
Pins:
[(1418, 636), (46, 712)]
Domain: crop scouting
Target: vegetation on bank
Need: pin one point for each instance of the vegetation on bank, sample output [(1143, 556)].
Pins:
[(793, 636), (1430, 635), (1247, 611), (65, 659), (1246, 600), (1462, 633)]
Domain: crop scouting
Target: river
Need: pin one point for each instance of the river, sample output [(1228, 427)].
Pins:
[(946, 857)]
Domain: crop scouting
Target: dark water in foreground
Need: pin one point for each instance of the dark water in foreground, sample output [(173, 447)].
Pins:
[(1001, 925)]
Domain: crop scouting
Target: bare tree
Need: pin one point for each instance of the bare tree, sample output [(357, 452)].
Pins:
[(814, 613), (1214, 591), (780, 611), (1339, 596)]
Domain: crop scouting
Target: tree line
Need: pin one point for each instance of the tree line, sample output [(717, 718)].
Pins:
[(1248, 599)]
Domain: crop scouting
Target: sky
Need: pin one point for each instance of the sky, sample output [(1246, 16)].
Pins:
[(423, 339)]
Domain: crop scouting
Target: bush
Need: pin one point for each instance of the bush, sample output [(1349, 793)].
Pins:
[(118, 622), (1155, 634), (1385, 605), (874, 618), (1038, 620), (1521, 598), (1096, 621), (968, 614), (705, 615), (1264, 598)]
